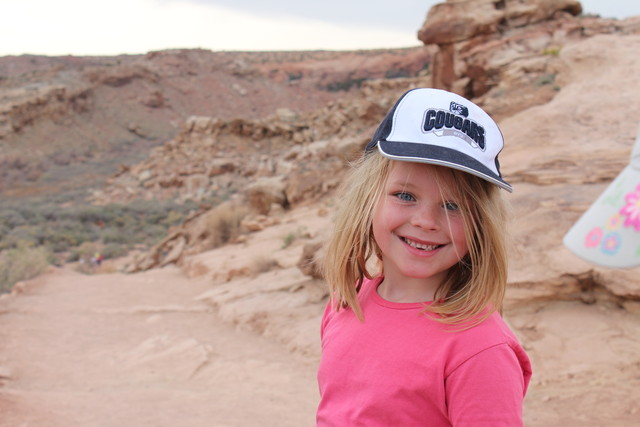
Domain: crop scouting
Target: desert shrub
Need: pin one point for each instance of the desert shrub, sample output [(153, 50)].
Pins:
[(11, 218), (62, 224), (114, 250), (73, 255), (21, 263), (223, 223), (17, 236), (4, 230), (173, 218), (396, 74), (294, 76), (345, 85), (117, 234), (288, 239), (546, 79), (292, 236), (551, 51), (83, 252), (60, 239)]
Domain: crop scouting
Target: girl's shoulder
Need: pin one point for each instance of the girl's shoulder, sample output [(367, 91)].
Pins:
[(490, 335), (491, 331)]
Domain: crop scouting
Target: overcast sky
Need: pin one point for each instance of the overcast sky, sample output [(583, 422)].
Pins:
[(92, 27)]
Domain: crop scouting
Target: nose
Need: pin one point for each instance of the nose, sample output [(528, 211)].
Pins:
[(427, 217)]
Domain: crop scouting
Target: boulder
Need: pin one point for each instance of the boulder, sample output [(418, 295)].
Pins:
[(456, 21), (478, 40)]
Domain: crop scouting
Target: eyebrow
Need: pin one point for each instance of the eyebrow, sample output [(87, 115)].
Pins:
[(406, 184), (403, 183)]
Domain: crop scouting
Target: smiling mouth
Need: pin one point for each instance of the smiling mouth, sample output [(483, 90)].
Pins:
[(420, 246)]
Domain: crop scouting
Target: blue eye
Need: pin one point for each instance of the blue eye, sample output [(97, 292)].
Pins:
[(451, 206), (405, 197)]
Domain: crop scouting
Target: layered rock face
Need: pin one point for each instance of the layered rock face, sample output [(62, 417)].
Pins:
[(97, 111), (491, 46), (281, 162)]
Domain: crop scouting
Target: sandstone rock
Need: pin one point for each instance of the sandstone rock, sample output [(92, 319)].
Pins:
[(220, 166), (120, 75), (258, 222), (153, 100), (239, 89), (456, 21), (176, 248), (452, 22), (144, 175), (475, 49), (287, 115), (200, 124)]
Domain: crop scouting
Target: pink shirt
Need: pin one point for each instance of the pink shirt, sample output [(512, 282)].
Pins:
[(400, 367)]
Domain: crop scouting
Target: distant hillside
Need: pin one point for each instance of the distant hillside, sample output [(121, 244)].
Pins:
[(69, 122)]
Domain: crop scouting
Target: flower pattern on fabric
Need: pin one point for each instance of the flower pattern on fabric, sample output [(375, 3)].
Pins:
[(611, 243), (632, 209), (618, 232), (593, 237), (614, 222)]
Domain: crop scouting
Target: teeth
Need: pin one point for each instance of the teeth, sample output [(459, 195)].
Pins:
[(419, 245)]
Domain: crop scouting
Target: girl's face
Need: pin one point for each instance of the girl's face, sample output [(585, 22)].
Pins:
[(418, 228)]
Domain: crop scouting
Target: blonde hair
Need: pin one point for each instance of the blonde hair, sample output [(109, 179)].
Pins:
[(474, 287)]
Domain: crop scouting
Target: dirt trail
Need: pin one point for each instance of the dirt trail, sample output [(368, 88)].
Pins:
[(140, 350)]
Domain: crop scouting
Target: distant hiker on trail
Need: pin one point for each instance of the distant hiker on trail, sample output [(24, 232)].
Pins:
[(97, 258), (418, 339)]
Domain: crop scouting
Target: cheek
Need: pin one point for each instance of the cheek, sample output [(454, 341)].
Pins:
[(380, 224), (458, 237), (376, 225)]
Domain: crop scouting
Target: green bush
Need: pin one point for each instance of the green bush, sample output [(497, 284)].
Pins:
[(396, 74), (345, 85), (114, 250), (546, 79), (21, 263), (60, 225), (551, 51)]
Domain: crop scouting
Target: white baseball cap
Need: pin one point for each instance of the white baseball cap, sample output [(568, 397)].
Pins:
[(442, 128)]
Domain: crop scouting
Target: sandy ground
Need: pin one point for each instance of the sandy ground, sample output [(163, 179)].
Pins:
[(237, 347), (140, 350), (165, 348)]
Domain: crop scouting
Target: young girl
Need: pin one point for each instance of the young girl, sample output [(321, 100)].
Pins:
[(417, 269)]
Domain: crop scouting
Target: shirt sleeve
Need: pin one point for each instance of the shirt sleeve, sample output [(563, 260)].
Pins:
[(325, 318), (487, 390)]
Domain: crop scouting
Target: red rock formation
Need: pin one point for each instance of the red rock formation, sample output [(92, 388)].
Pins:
[(464, 29)]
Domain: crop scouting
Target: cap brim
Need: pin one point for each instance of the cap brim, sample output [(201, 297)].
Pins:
[(608, 233), (441, 156)]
